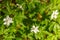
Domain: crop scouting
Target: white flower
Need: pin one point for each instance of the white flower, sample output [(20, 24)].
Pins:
[(7, 21), (20, 6), (17, 4), (34, 29), (54, 14)]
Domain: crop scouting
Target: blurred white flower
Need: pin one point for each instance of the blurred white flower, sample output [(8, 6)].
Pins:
[(20, 6), (7, 20), (54, 14), (34, 29), (17, 4)]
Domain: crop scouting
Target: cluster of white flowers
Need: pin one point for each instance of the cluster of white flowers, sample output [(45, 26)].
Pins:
[(54, 14), (34, 29), (7, 21)]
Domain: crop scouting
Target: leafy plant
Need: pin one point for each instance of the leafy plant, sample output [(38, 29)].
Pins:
[(29, 20)]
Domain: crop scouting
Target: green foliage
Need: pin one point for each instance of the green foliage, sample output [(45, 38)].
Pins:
[(32, 12)]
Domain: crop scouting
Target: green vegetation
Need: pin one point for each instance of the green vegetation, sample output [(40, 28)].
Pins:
[(29, 19)]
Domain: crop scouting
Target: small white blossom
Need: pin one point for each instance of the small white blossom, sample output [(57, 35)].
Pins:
[(7, 21), (34, 29), (54, 14), (20, 6), (17, 4)]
